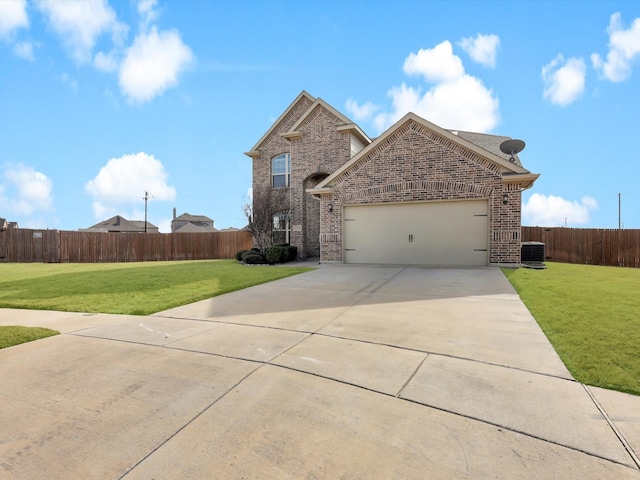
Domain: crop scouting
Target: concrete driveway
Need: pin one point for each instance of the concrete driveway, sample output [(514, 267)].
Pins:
[(343, 372)]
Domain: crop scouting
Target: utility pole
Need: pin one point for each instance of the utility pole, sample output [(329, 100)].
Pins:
[(619, 212), (145, 198)]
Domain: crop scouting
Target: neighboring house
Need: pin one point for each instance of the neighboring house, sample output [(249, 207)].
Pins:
[(4, 224), (121, 224), (187, 223), (417, 194)]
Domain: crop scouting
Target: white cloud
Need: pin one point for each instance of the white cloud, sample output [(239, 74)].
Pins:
[(24, 50), (464, 104), (482, 49), (564, 80), (106, 62), (361, 112), (30, 191), (13, 16), (153, 64), (148, 12), (437, 64), (70, 81), (122, 182), (624, 47), (551, 211), (454, 99), (81, 23), (146, 68)]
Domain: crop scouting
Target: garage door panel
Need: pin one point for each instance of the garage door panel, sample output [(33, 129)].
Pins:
[(430, 233)]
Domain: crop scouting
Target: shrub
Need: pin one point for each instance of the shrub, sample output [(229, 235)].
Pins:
[(292, 253), (254, 258), (240, 254), (276, 254)]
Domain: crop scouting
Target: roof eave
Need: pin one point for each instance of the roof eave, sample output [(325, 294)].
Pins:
[(292, 135), (356, 130), (280, 118), (318, 102), (525, 180), (316, 192), (510, 167)]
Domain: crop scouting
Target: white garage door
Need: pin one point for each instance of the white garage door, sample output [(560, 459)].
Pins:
[(430, 233)]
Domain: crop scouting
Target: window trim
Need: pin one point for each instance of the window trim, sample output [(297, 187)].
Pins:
[(287, 171), (287, 227)]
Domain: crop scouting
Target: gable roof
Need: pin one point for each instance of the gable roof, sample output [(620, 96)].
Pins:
[(303, 95), (346, 124), (512, 170), (196, 218), (120, 224), (192, 228)]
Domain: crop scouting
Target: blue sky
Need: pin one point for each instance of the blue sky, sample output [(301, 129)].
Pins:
[(101, 101)]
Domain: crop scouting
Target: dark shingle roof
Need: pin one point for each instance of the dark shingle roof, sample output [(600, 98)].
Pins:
[(195, 218), (121, 224), (490, 143)]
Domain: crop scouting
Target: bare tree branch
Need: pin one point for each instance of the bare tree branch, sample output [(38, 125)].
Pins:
[(266, 203)]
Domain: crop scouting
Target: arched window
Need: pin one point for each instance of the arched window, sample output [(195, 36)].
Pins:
[(281, 171), (281, 228)]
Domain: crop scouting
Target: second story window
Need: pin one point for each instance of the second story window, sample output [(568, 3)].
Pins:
[(281, 171)]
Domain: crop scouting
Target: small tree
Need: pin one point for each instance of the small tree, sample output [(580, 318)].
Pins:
[(260, 210)]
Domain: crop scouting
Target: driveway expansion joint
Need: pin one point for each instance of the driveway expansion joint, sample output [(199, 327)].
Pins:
[(611, 423)]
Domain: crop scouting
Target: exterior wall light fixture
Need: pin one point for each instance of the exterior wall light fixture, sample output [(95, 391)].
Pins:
[(505, 198), (331, 208)]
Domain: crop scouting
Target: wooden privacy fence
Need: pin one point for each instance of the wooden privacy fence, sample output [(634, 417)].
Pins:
[(591, 246), (54, 246)]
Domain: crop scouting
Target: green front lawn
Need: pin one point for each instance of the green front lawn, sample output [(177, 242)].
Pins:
[(127, 288), (591, 315), (15, 335)]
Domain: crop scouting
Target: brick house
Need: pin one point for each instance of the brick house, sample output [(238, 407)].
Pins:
[(417, 194), (118, 224), (187, 223)]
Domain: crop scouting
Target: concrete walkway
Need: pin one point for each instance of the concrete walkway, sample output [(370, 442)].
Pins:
[(343, 372)]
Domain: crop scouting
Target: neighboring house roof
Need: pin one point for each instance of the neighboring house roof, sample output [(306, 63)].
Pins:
[(510, 170), (121, 224), (4, 224), (275, 124), (192, 223), (194, 218), (191, 228)]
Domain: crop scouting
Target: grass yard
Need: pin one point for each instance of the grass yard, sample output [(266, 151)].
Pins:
[(591, 315), (126, 288), (15, 335)]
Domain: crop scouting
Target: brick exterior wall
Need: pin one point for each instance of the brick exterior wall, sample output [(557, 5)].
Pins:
[(415, 164), (319, 151)]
